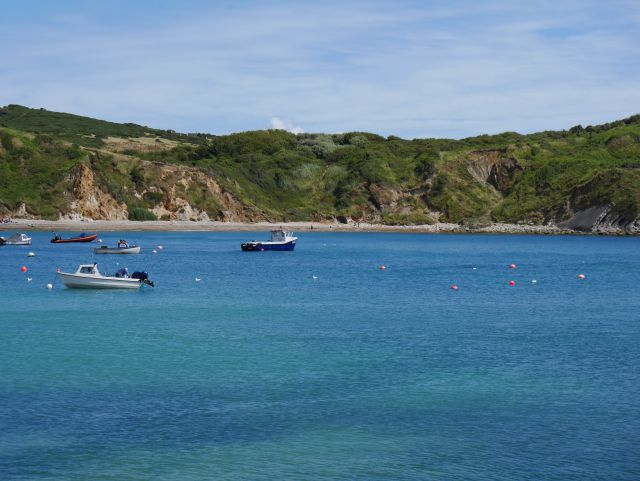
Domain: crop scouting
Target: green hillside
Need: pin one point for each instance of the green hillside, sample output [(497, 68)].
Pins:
[(538, 178), (80, 130)]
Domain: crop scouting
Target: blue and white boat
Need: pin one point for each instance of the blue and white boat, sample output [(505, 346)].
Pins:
[(280, 241)]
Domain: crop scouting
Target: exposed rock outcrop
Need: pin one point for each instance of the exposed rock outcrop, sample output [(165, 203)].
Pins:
[(493, 167), (179, 184), (601, 219), (89, 201)]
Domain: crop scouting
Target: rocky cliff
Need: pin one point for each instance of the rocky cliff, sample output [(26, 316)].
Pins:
[(56, 165)]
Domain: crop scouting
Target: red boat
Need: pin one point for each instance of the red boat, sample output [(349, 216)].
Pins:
[(81, 238)]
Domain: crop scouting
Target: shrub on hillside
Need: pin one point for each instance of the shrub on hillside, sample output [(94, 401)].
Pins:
[(140, 213)]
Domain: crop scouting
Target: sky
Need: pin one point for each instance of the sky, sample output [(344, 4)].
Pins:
[(414, 69)]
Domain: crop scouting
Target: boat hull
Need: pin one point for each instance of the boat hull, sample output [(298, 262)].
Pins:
[(78, 281), (17, 243), (268, 246), (117, 250), (15, 240), (89, 238)]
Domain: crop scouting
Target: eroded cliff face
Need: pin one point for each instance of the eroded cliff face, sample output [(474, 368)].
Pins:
[(171, 192), (185, 193), (589, 209), (89, 201), (493, 167), (601, 219)]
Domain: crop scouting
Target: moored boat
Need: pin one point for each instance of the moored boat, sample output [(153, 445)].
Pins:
[(16, 240), (280, 241), (123, 247), (87, 276), (81, 238)]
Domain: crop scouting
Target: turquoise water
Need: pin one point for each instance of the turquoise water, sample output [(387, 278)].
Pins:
[(259, 371)]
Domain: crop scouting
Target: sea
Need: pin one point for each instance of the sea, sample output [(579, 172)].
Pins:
[(318, 364)]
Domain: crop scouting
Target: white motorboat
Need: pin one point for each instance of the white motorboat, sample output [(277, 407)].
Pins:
[(89, 277), (16, 240), (123, 247)]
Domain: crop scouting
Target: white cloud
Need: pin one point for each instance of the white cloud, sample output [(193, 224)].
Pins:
[(279, 124)]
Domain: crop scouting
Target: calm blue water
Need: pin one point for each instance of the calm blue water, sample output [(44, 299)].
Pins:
[(259, 371)]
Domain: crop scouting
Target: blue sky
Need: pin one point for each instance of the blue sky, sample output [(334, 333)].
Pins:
[(408, 68)]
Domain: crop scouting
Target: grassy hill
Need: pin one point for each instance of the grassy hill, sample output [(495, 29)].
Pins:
[(547, 177)]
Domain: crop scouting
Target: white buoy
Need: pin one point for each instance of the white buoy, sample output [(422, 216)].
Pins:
[(31, 254), (474, 268), (160, 247), (154, 251), (533, 281), (29, 279), (49, 286), (197, 279), (314, 277), (99, 240)]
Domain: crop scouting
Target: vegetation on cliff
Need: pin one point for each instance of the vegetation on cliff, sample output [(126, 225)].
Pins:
[(278, 176)]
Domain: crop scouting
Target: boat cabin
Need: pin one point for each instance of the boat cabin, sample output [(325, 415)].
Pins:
[(281, 236), (88, 269)]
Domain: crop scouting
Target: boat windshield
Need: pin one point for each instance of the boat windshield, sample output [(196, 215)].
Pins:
[(87, 270)]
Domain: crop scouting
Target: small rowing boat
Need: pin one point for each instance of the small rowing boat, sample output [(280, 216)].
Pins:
[(81, 238)]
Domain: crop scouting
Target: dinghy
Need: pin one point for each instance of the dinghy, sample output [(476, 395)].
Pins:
[(81, 238)]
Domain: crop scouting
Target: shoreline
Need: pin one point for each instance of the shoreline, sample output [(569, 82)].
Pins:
[(216, 226)]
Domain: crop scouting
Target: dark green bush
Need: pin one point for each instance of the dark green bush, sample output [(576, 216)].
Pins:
[(140, 213)]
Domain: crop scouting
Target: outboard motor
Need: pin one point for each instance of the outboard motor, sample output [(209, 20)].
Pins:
[(142, 277)]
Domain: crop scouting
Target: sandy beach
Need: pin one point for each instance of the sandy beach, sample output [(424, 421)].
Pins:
[(169, 226)]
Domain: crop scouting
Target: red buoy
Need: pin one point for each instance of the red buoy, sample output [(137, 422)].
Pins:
[(382, 268), (512, 266), (581, 276), (454, 287), (512, 283), (23, 269)]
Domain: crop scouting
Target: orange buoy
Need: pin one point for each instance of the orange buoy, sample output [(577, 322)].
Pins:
[(23, 269), (512, 283)]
